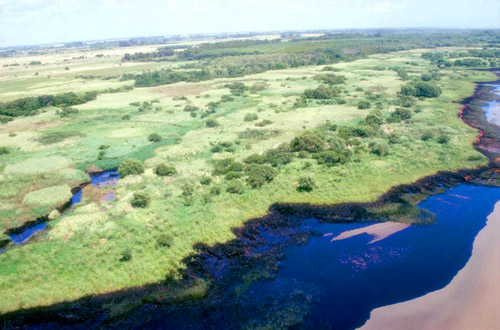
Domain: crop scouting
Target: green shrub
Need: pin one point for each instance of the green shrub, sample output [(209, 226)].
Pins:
[(260, 174), (224, 166), (380, 149), (427, 136), (321, 93), (164, 240), (154, 137), (235, 187), (126, 117), (398, 115), (279, 156), (140, 200), (330, 79), (191, 108), (443, 139), (4, 150), (263, 123), (187, 189), (205, 180), (130, 167), (255, 159), (126, 256), (251, 117), (306, 183), (211, 122), (421, 89), (225, 146), (307, 141), (332, 157), (374, 119), (165, 170), (364, 104), (215, 190)]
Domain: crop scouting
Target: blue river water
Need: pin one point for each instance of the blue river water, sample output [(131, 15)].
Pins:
[(100, 180), (355, 275)]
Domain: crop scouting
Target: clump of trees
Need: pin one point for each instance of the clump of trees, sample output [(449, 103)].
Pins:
[(130, 167), (322, 92), (330, 79), (29, 106), (307, 141), (421, 89)]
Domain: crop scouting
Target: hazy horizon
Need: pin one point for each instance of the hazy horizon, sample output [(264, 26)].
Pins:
[(30, 22)]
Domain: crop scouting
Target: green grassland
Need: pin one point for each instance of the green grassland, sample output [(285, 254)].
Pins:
[(83, 251)]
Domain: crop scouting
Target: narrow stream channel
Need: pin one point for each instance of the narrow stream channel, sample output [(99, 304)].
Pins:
[(99, 180)]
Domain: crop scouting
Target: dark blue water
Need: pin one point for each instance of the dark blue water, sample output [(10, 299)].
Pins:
[(23, 237), (100, 180), (355, 276)]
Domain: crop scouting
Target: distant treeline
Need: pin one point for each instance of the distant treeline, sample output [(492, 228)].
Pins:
[(30, 106), (488, 57), (153, 56)]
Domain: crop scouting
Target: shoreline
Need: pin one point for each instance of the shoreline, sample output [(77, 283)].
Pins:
[(469, 301)]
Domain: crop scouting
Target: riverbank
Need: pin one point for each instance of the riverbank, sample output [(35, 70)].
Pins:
[(470, 301)]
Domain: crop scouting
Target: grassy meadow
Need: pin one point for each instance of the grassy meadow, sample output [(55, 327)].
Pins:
[(83, 251)]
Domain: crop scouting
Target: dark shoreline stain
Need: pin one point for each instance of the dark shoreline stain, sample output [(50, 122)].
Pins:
[(222, 265)]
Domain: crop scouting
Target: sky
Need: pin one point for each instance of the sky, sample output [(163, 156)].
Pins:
[(26, 22)]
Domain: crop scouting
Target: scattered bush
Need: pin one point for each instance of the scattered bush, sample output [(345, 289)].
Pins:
[(427, 136), (278, 156), (224, 166), (126, 117), (443, 139), (191, 108), (260, 174), (421, 89), (4, 150), (398, 115), (205, 180), (154, 137), (251, 117), (225, 146), (380, 148), (307, 141), (363, 104), (211, 122), (165, 170), (332, 157), (255, 159), (140, 200), (235, 187), (263, 123), (164, 240), (306, 183), (130, 167), (321, 93), (330, 79)]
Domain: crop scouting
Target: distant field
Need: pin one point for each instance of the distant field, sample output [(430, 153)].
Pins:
[(48, 154)]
